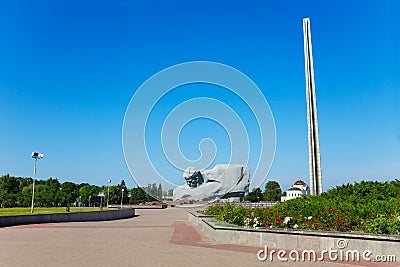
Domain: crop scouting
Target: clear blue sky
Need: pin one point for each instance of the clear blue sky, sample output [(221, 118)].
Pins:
[(68, 70)]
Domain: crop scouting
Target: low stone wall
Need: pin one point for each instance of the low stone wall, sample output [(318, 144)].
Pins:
[(163, 206), (105, 215), (300, 240)]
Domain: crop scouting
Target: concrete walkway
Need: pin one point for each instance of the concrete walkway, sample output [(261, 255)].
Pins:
[(154, 238)]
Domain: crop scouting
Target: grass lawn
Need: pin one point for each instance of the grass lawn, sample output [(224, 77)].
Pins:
[(41, 210)]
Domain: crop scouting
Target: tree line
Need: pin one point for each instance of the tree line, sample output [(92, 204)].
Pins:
[(272, 192), (17, 192)]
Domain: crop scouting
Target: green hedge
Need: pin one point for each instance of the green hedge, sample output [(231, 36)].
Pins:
[(369, 207)]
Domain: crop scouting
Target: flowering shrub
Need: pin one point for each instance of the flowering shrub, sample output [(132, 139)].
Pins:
[(254, 222), (234, 215), (213, 210), (383, 224), (370, 207)]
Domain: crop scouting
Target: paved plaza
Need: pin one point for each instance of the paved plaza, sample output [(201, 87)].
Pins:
[(153, 238)]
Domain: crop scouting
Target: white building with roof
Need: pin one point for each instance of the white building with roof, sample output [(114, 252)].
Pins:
[(298, 189)]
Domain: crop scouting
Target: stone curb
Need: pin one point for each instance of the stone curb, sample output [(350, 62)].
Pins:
[(290, 239), (66, 217)]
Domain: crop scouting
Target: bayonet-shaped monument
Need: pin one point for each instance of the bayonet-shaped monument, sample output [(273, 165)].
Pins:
[(312, 118)]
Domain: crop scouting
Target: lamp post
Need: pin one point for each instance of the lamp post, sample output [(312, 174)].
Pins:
[(101, 200), (36, 156), (108, 191), (122, 196), (89, 200)]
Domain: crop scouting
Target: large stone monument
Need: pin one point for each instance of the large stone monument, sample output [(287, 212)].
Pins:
[(224, 181), (312, 118)]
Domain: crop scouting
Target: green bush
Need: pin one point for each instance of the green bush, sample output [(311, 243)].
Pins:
[(383, 224), (232, 214), (213, 210), (370, 207)]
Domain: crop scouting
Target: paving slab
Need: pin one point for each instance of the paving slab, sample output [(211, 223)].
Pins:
[(160, 237)]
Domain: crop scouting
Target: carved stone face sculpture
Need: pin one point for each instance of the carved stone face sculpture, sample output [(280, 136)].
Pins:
[(224, 181), (195, 179)]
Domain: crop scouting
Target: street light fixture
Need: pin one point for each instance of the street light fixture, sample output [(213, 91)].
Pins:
[(108, 191), (101, 200), (122, 196), (36, 156)]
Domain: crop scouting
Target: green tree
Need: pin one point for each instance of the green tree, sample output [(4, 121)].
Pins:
[(40, 194), (115, 194), (22, 183), (88, 193), (254, 196), (25, 197), (125, 192), (68, 194), (154, 190), (272, 191), (138, 195), (159, 192), (9, 190), (148, 189), (170, 192), (50, 187)]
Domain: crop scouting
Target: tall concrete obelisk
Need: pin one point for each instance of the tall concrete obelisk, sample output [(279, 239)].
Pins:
[(312, 118)]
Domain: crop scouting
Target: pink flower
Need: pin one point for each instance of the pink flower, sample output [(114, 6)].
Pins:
[(295, 226)]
